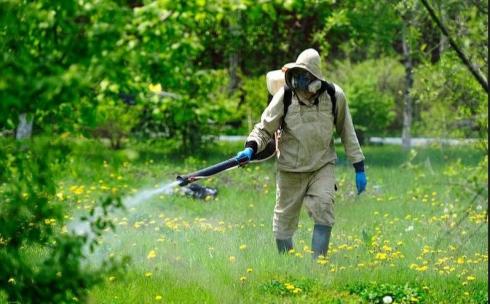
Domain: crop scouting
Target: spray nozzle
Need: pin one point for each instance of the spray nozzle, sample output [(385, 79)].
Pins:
[(183, 181)]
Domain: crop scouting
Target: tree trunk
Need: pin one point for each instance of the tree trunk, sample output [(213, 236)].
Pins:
[(234, 56), (24, 129), (442, 38), (233, 71), (407, 99)]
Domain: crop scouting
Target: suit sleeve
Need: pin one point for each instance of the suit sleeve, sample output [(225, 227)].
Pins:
[(270, 122), (345, 128)]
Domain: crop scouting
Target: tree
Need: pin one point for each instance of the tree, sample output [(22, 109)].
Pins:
[(451, 102), (43, 49), (407, 17), (472, 68)]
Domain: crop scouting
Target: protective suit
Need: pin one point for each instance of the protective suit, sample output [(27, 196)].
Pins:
[(306, 158)]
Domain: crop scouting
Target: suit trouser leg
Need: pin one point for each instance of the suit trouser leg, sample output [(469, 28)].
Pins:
[(290, 190), (319, 201)]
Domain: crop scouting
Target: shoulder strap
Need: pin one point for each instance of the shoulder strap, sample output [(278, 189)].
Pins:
[(288, 95), (326, 86), (330, 88)]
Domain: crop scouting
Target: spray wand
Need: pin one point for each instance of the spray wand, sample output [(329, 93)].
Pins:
[(268, 152), (226, 165)]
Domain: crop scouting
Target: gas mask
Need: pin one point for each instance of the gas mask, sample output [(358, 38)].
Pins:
[(305, 82)]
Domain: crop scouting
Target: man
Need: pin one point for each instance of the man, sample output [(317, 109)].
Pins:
[(306, 157)]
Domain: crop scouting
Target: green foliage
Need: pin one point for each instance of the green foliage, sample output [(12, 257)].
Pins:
[(359, 30), (115, 120), (255, 100), (40, 261), (43, 56), (77, 59), (372, 88), (374, 293), (204, 110), (450, 103)]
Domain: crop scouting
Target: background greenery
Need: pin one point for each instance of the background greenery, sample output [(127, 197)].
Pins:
[(183, 69)]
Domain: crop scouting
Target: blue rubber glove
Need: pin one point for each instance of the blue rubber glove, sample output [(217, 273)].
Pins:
[(245, 155), (361, 182)]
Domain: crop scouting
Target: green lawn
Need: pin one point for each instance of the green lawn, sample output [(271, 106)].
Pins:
[(391, 240)]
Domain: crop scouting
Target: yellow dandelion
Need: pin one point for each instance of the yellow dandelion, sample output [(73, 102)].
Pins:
[(297, 290), (470, 278), (289, 286), (243, 278), (155, 88), (381, 256), (11, 281), (243, 247), (387, 248), (148, 274), (426, 249), (158, 298), (249, 270), (232, 259), (422, 268), (77, 189), (151, 255), (111, 279)]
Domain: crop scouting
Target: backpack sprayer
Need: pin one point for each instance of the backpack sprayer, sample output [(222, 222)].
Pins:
[(275, 80)]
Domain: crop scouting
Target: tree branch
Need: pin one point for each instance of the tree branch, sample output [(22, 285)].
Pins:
[(475, 71)]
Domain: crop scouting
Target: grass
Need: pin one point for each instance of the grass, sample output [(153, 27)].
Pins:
[(223, 251)]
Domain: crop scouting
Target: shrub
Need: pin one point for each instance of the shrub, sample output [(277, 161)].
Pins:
[(372, 88), (39, 261)]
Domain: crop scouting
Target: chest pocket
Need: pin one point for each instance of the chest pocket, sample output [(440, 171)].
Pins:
[(307, 134)]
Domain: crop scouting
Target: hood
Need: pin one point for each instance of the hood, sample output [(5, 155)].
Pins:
[(308, 60)]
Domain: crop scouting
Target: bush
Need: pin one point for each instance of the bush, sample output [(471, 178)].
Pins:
[(451, 104), (255, 100), (40, 261), (114, 121), (373, 89)]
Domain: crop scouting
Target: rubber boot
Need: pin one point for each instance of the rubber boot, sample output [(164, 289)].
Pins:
[(283, 246), (320, 240)]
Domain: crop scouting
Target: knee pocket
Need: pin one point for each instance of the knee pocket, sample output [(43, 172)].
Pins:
[(321, 210)]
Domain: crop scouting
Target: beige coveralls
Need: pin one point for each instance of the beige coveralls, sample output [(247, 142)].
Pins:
[(306, 161)]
